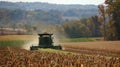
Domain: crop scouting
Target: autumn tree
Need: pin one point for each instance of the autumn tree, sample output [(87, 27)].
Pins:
[(76, 29), (113, 11), (94, 26), (101, 18)]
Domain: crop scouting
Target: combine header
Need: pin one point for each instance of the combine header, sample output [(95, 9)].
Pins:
[(45, 41)]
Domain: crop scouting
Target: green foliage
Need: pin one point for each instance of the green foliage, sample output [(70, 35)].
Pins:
[(57, 51), (12, 43), (76, 29), (78, 40)]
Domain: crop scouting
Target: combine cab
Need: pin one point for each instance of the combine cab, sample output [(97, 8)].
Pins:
[(45, 41)]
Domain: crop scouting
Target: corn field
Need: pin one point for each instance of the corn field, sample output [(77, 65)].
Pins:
[(16, 57)]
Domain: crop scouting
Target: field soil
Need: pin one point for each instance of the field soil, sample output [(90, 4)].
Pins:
[(98, 47)]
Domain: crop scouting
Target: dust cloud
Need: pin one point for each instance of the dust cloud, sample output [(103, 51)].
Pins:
[(30, 43)]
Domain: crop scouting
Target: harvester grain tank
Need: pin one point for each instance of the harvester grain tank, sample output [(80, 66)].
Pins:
[(45, 41)]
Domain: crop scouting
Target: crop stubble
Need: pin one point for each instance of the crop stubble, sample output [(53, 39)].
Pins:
[(16, 57)]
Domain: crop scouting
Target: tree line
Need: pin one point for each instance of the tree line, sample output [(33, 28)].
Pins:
[(85, 27)]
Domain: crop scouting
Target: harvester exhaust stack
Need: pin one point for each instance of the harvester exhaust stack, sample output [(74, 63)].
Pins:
[(45, 41)]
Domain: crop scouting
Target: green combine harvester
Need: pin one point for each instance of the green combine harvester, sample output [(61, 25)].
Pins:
[(45, 41)]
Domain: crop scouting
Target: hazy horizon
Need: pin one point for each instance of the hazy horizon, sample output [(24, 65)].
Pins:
[(82, 2)]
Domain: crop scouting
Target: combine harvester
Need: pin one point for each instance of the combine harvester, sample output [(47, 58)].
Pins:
[(45, 41)]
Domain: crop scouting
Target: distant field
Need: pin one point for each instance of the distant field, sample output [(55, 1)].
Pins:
[(32, 37), (15, 40), (18, 40), (81, 39), (111, 48), (17, 37), (16, 43), (106, 45)]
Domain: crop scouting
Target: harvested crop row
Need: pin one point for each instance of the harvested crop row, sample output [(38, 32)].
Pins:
[(16, 57)]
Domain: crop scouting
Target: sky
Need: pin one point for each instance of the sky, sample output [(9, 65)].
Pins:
[(96, 2)]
